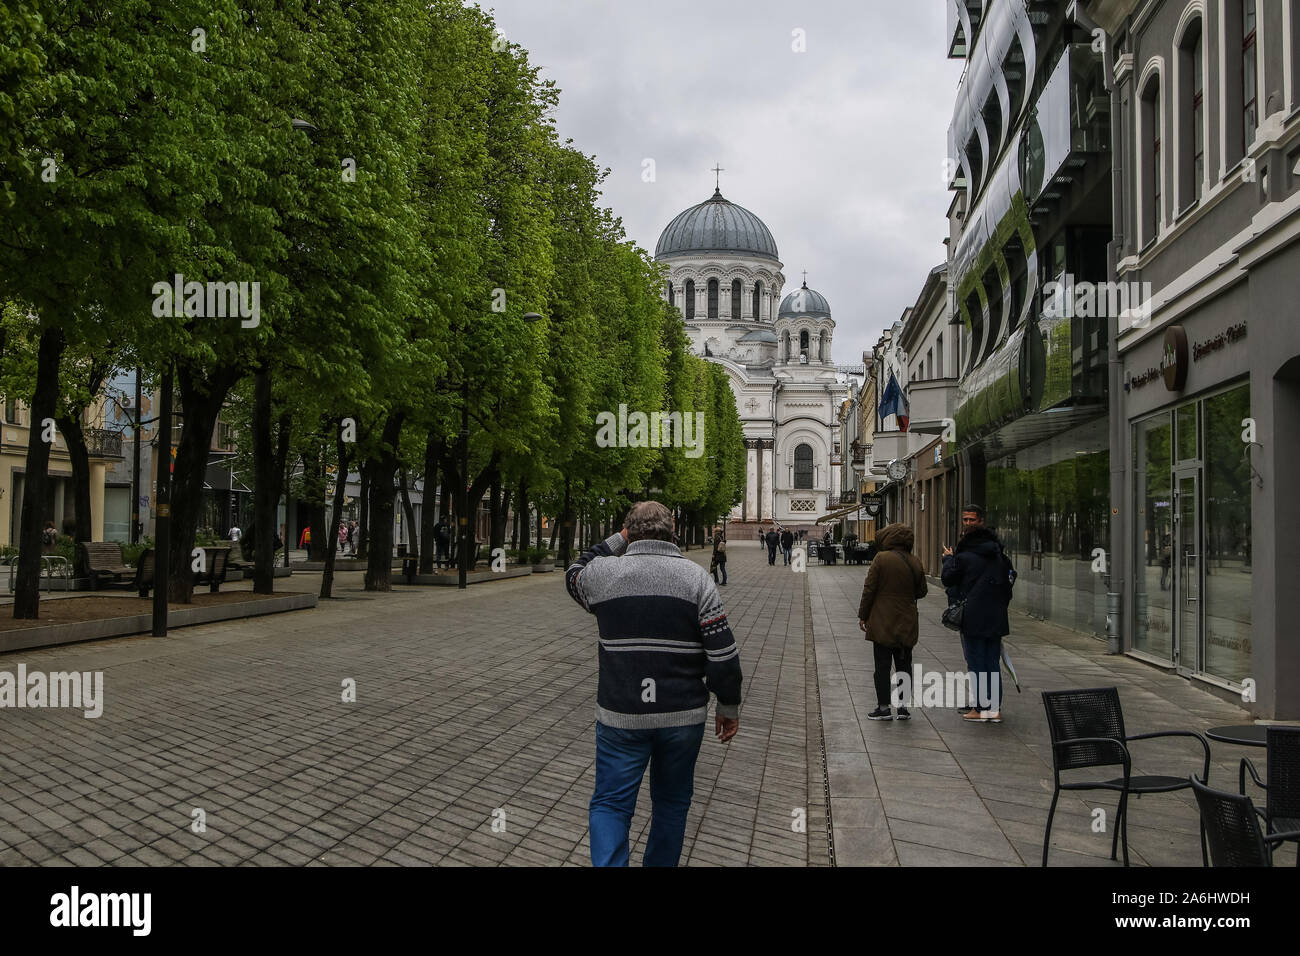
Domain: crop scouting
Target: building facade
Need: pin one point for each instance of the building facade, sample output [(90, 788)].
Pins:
[(724, 276)]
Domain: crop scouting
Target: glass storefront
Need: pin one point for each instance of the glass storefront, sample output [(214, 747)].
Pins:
[(1192, 573), (1050, 504)]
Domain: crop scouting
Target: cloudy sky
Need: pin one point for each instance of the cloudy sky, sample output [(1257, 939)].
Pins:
[(838, 149)]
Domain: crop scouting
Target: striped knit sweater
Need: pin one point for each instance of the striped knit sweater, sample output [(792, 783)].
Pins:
[(664, 638)]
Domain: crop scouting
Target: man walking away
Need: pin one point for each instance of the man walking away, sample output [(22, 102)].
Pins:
[(772, 541), (887, 613), (980, 573), (787, 542), (664, 646), (442, 538)]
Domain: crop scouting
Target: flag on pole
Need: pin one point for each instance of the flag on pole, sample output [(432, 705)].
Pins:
[(894, 402)]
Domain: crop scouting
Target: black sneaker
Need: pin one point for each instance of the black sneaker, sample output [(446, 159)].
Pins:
[(903, 714), (880, 713)]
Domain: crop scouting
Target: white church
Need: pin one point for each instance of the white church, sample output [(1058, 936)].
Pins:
[(724, 276)]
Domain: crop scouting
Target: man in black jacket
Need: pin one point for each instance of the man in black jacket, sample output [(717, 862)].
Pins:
[(773, 539), (787, 543), (977, 574)]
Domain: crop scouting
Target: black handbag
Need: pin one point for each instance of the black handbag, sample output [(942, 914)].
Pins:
[(954, 613)]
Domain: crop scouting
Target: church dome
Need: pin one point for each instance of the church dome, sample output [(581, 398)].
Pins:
[(758, 335), (804, 301), (717, 226)]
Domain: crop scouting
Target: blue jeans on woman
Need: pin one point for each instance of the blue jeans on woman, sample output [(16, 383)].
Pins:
[(621, 758), (984, 658)]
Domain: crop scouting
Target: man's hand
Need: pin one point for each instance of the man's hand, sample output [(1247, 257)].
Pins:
[(862, 626), (947, 551), (624, 534), (726, 727)]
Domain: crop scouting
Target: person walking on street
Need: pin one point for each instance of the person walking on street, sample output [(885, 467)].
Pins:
[(664, 646), (980, 573), (719, 562), (772, 541), (787, 542), (887, 613), (442, 538)]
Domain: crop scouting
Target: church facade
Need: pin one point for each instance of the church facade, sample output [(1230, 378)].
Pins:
[(725, 278)]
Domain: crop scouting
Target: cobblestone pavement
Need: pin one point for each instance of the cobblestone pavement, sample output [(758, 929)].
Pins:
[(466, 703), (935, 790)]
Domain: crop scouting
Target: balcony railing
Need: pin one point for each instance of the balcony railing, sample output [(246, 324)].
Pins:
[(103, 443)]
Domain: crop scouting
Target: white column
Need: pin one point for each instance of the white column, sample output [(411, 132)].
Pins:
[(768, 488), (751, 483)]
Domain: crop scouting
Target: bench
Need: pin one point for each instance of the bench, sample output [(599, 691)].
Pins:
[(103, 562), (216, 562), (141, 576)]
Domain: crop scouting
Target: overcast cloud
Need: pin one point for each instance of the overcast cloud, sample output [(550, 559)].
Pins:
[(839, 149)]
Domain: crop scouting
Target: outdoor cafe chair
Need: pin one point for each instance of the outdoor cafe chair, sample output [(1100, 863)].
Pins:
[(1087, 730), (1282, 789), (1231, 827)]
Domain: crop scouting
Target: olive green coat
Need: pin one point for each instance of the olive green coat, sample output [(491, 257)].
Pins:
[(894, 583)]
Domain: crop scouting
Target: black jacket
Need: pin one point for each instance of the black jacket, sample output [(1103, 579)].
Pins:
[(772, 540), (787, 539), (976, 562)]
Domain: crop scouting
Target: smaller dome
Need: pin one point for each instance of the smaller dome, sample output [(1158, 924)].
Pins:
[(758, 335), (804, 301)]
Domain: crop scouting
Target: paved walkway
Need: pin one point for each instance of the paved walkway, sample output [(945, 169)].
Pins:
[(480, 701), (935, 790), (471, 709)]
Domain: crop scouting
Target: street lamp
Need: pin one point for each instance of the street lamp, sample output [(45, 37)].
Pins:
[(462, 545), (858, 468)]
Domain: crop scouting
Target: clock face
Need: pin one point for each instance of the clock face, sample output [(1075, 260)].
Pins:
[(897, 470)]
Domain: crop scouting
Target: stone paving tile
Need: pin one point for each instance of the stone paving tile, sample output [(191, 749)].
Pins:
[(467, 702), (953, 794)]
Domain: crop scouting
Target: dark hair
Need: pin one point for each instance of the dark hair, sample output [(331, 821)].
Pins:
[(975, 510)]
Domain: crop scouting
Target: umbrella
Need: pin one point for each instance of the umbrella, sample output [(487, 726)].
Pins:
[(1011, 668)]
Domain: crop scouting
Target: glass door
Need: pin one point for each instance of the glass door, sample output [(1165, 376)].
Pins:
[(1187, 567)]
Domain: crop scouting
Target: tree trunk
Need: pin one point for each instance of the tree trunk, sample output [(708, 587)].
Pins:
[(379, 563), (340, 493), (203, 392), (433, 452), (541, 532), (36, 478), (497, 510), (75, 439), (566, 526), (412, 543), (266, 480), (525, 544), (363, 504)]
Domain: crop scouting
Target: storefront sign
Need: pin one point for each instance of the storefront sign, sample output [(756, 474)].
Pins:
[(1234, 333), (1173, 358), (871, 504)]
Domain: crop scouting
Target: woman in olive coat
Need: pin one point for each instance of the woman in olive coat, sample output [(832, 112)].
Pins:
[(887, 613)]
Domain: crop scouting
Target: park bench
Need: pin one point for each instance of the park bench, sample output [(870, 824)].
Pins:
[(103, 562), (216, 562)]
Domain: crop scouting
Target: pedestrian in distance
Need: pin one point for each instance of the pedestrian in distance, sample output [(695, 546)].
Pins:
[(665, 645), (887, 612), (234, 533), (773, 540), (719, 562), (980, 574), (442, 540), (787, 543)]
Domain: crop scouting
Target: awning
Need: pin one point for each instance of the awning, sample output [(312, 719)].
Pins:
[(837, 515)]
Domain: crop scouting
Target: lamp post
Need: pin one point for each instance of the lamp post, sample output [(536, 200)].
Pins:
[(464, 538), (858, 468)]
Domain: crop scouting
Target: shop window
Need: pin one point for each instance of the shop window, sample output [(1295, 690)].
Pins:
[(1153, 567)]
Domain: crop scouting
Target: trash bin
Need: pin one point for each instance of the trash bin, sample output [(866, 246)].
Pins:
[(408, 569)]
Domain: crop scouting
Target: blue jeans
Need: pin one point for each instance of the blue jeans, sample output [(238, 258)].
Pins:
[(984, 658), (722, 566), (621, 758)]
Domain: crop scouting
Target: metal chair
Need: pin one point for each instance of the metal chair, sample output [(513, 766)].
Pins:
[(1282, 806), (1087, 730), (1231, 826)]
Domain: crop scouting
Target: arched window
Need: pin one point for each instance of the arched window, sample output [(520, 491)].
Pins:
[(803, 343), (735, 300), (713, 298), (690, 299), (785, 346), (821, 347), (1241, 78), (1191, 115), (803, 468), (672, 299), (1152, 171), (758, 298)]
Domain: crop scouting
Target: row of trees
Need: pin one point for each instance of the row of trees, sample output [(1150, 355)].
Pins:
[(388, 174)]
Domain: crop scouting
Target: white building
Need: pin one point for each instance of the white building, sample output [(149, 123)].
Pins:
[(725, 277)]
